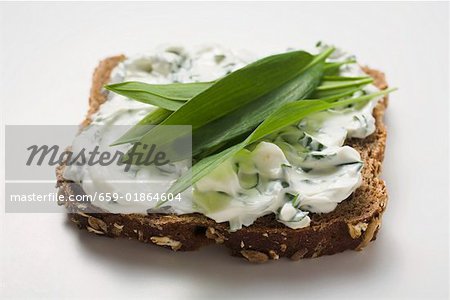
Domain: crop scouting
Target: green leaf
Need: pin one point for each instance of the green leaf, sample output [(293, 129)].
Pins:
[(341, 95), (240, 87), (293, 112), (250, 115), (284, 116), (233, 92), (169, 96), (332, 68), (293, 90), (242, 120), (247, 114), (328, 78), (334, 86)]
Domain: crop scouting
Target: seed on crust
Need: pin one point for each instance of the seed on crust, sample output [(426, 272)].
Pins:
[(273, 255), (255, 256), (211, 233), (97, 224), (370, 232), (116, 229), (75, 221), (83, 214), (319, 248), (166, 241), (90, 229), (283, 247), (299, 254), (355, 231)]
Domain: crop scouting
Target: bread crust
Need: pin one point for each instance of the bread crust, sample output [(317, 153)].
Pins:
[(352, 225)]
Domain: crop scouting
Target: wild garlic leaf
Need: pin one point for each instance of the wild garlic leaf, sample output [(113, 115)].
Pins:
[(233, 92), (284, 116), (252, 114), (341, 94), (295, 111), (168, 96), (240, 87), (249, 113), (332, 68), (334, 83), (164, 95), (328, 78), (333, 86), (185, 91)]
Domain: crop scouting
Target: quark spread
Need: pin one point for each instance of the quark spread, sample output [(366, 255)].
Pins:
[(304, 168)]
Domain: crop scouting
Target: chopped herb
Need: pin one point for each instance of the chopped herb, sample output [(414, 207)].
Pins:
[(290, 196)]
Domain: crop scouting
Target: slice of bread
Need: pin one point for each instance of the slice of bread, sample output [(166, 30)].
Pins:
[(352, 225)]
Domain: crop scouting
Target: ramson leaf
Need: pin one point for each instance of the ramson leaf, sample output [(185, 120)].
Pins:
[(336, 85), (231, 93), (332, 68), (239, 88), (168, 96), (284, 116), (252, 114)]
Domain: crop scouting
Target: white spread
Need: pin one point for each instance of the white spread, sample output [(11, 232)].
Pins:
[(300, 169)]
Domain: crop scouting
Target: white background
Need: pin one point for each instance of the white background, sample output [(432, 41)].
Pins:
[(48, 53)]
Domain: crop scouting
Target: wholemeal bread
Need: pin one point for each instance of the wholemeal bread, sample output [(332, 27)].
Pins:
[(352, 225)]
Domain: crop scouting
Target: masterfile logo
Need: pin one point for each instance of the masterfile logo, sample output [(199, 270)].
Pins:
[(38, 158)]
